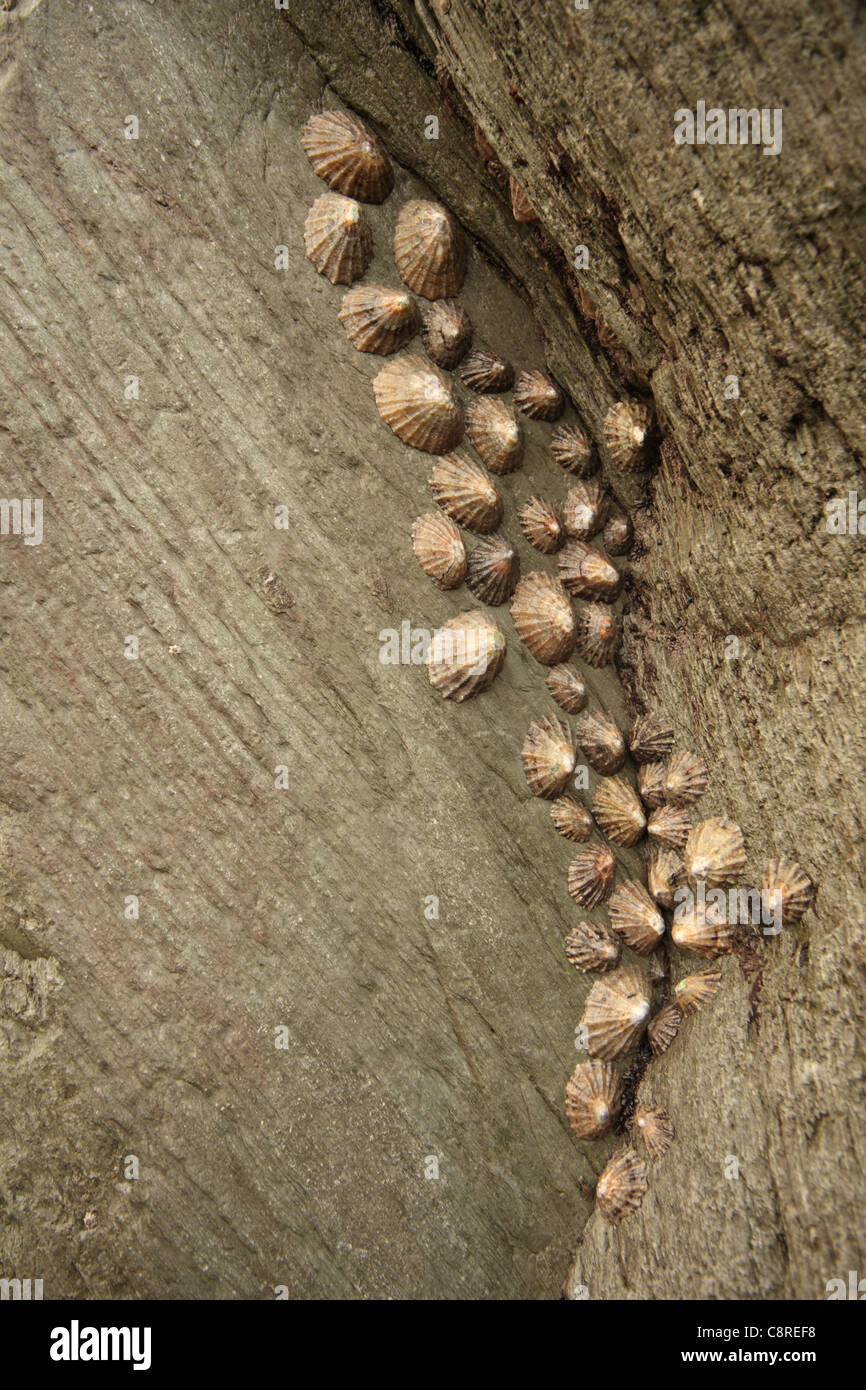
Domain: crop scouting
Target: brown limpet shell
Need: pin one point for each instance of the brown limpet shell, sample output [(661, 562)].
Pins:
[(650, 739), (590, 875), (622, 1187), (692, 992), (429, 249), (586, 573), (439, 549), (715, 852), (686, 778), (465, 656), (626, 426), (618, 811), (571, 449), (418, 403), (663, 1028), (598, 634), (654, 1125), (521, 208), (567, 688), (496, 432), (538, 396), (592, 946), (378, 319), (570, 819), (702, 928), (482, 371), (618, 533), (651, 784), (446, 332), (665, 873), (548, 756), (338, 239), (635, 918), (348, 156), (462, 488), (493, 570), (669, 826), (584, 510), (541, 524), (592, 1099), (543, 617), (601, 742), (786, 887), (616, 1012)]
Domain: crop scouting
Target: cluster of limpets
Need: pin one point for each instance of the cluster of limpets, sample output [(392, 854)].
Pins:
[(632, 1005)]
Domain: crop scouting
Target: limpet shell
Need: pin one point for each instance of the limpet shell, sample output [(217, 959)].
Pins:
[(622, 1187), (592, 946), (543, 617), (493, 570), (635, 918), (429, 250), (686, 777), (541, 524), (567, 688), (663, 1028), (378, 319), (418, 403), (598, 634), (463, 489), (348, 156), (548, 756), (495, 431), (601, 742), (592, 1099), (586, 573), (590, 875), (571, 449), (465, 656), (538, 396), (616, 1012), (439, 549), (650, 739), (584, 510), (618, 811), (786, 887), (651, 784), (669, 826), (484, 372), (715, 852), (626, 426), (446, 332), (665, 873), (338, 239), (653, 1124), (702, 928), (618, 533), (692, 992), (571, 819)]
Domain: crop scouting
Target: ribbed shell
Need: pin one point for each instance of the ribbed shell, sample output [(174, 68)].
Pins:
[(663, 1028), (378, 319), (635, 918), (715, 852), (592, 1099), (521, 208), (650, 739), (592, 946), (602, 742), (625, 430), (786, 886), (446, 332), (462, 489), (429, 249), (439, 549), (338, 239), (669, 826), (571, 449), (584, 510), (571, 819), (496, 433), (618, 811), (347, 156), (418, 403), (622, 1186), (543, 617), (465, 656), (616, 1012), (567, 688), (665, 873), (702, 928), (493, 570), (692, 992), (484, 372), (653, 1124), (590, 875), (686, 777), (618, 533), (548, 756), (651, 784), (541, 524), (586, 573), (598, 634), (538, 396)]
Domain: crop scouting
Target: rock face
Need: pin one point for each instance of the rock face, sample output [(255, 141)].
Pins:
[(246, 989)]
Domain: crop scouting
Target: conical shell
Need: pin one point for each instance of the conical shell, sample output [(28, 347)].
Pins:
[(591, 946), (669, 826), (543, 618), (616, 1012), (650, 739), (598, 634), (692, 992), (538, 396), (786, 890), (429, 249), (462, 489), (715, 852), (571, 819), (548, 756), (541, 524), (571, 449), (439, 549), (590, 875), (584, 510), (703, 928), (686, 777), (618, 533), (465, 656), (663, 1028), (621, 1187), (567, 688), (651, 784), (347, 156), (493, 570), (446, 332), (625, 430), (521, 208), (585, 572), (653, 1124), (378, 319), (635, 918), (592, 1099), (601, 742), (484, 372), (338, 239), (618, 811), (665, 873), (418, 403), (496, 433)]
